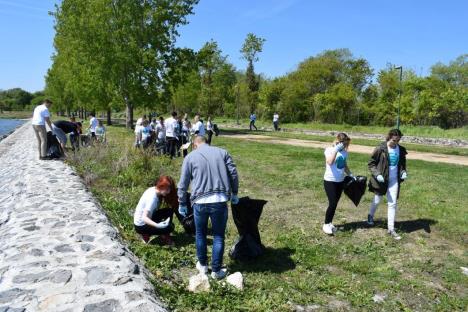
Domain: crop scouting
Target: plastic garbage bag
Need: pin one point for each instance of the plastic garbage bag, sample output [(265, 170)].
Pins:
[(246, 215), (54, 149), (355, 188)]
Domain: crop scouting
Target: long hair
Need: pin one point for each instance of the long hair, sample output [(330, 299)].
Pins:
[(166, 182)]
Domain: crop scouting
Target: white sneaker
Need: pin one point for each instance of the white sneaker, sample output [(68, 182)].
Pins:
[(203, 269), (220, 274), (328, 228), (394, 234)]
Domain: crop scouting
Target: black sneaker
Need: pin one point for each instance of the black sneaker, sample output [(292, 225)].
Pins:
[(370, 220)]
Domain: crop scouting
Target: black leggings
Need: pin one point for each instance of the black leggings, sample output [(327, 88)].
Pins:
[(333, 190), (158, 216)]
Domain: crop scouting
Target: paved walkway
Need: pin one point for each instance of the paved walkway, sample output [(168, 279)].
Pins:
[(431, 157), (58, 251)]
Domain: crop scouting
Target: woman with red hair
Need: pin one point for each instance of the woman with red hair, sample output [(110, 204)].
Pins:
[(148, 218)]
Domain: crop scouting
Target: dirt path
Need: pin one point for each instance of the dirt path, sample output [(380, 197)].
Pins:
[(432, 157)]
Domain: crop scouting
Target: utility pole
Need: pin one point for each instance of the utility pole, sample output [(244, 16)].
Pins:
[(399, 96)]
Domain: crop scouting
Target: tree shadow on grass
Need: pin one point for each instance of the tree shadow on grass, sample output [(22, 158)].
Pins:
[(404, 226), (273, 261)]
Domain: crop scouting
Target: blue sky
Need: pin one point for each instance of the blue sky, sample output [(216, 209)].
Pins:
[(413, 33)]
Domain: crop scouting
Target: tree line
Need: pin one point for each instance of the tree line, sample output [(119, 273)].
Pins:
[(115, 55)]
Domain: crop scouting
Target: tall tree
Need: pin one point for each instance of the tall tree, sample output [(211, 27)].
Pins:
[(252, 46), (119, 49)]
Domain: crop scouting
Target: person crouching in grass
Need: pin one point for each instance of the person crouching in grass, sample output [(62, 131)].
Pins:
[(149, 219), (333, 180)]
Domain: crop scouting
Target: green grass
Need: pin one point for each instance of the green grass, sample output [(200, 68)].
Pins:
[(366, 142), (302, 266), (422, 131)]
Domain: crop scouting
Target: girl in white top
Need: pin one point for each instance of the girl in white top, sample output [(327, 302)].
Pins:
[(333, 179), (148, 218)]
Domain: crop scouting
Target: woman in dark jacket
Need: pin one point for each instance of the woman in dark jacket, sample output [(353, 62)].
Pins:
[(388, 171)]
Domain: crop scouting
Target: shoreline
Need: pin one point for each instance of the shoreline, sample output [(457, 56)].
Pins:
[(4, 136), (58, 249)]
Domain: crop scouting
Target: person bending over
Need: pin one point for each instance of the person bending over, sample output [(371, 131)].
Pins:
[(149, 219)]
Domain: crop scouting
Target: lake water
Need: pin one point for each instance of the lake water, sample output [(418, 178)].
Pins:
[(8, 125)]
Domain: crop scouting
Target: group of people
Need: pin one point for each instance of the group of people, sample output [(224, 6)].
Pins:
[(214, 181), (64, 130), (171, 135), (387, 166), (213, 177)]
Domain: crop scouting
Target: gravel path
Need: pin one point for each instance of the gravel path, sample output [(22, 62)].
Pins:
[(431, 157), (58, 251)]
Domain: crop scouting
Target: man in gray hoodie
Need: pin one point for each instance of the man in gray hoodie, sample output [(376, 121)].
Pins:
[(213, 177)]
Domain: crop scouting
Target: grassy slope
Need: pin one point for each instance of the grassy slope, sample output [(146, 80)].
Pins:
[(302, 266)]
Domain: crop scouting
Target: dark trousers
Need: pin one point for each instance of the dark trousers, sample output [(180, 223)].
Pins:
[(275, 124), (252, 125), (171, 146), (210, 135), (333, 191), (158, 216), (184, 141)]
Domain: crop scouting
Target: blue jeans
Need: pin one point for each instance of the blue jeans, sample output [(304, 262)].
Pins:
[(218, 213)]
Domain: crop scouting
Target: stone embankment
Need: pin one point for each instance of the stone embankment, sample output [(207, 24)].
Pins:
[(58, 251)]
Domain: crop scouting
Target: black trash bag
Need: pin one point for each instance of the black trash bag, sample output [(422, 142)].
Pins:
[(246, 215), (355, 188), (54, 149), (188, 222)]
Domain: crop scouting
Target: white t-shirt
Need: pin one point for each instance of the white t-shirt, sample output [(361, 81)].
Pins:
[(209, 126), (93, 123), (170, 124), (335, 172), (39, 115), (138, 124), (199, 127), (161, 131), (149, 201), (393, 159), (275, 117)]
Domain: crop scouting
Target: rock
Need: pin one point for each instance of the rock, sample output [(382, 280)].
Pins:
[(110, 305), (31, 228), (12, 294), (133, 296), (64, 248), (464, 270), (86, 247), (37, 252), (199, 283), (61, 276), (122, 280), (134, 269), (96, 292), (236, 280), (379, 298), (96, 275), (10, 309), (84, 238), (31, 278)]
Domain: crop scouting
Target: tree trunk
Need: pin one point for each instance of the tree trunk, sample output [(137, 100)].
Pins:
[(129, 114), (109, 120)]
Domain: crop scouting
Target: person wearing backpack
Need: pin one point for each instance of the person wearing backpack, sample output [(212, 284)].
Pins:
[(336, 168), (388, 170)]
